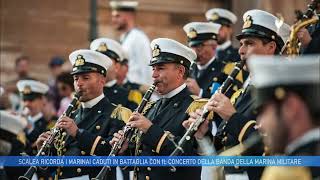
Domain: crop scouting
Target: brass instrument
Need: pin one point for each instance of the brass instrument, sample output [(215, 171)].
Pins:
[(56, 139), (194, 126), (128, 133), (292, 47)]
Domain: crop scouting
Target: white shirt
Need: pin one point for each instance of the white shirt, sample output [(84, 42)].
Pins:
[(137, 45), (224, 46), (175, 91), (92, 102), (111, 83), (202, 67), (32, 120)]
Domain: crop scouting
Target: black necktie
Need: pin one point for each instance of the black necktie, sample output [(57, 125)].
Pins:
[(84, 113), (200, 73), (163, 103)]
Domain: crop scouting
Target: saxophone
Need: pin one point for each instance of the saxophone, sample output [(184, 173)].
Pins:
[(292, 46)]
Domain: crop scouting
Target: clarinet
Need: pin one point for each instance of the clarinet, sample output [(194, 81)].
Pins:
[(194, 126), (47, 144), (128, 133)]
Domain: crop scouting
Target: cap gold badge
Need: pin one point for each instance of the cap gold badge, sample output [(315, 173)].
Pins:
[(248, 22), (102, 47), (156, 50), (214, 16), (192, 33), (79, 61), (26, 89)]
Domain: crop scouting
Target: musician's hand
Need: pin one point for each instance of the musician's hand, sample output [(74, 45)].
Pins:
[(116, 137), (221, 104), (304, 37), (204, 127), (68, 125), (193, 86), (139, 121), (42, 138)]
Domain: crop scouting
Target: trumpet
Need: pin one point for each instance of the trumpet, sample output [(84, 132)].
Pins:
[(195, 125), (47, 144), (128, 133)]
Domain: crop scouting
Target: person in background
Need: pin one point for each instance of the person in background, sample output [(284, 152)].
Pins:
[(33, 98), (310, 37), (133, 40), (22, 73), (207, 71), (65, 89), (117, 94), (225, 51), (12, 142), (136, 91), (55, 66)]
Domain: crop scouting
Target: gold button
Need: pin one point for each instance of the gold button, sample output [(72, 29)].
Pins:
[(149, 168), (60, 174), (79, 170), (138, 169), (215, 79), (147, 178), (237, 167), (224, 133), (140, 151), (97, 127), (83, 153), (64, 150)]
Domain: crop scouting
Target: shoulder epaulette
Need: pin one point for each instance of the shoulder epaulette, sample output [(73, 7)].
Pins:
[(135, 96), (235, 95), (228, 68), (121, 113), (21, 136), (198, 103)]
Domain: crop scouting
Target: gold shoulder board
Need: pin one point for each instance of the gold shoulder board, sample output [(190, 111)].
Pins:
[(121, 113), (198, 103), (228, 68)]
